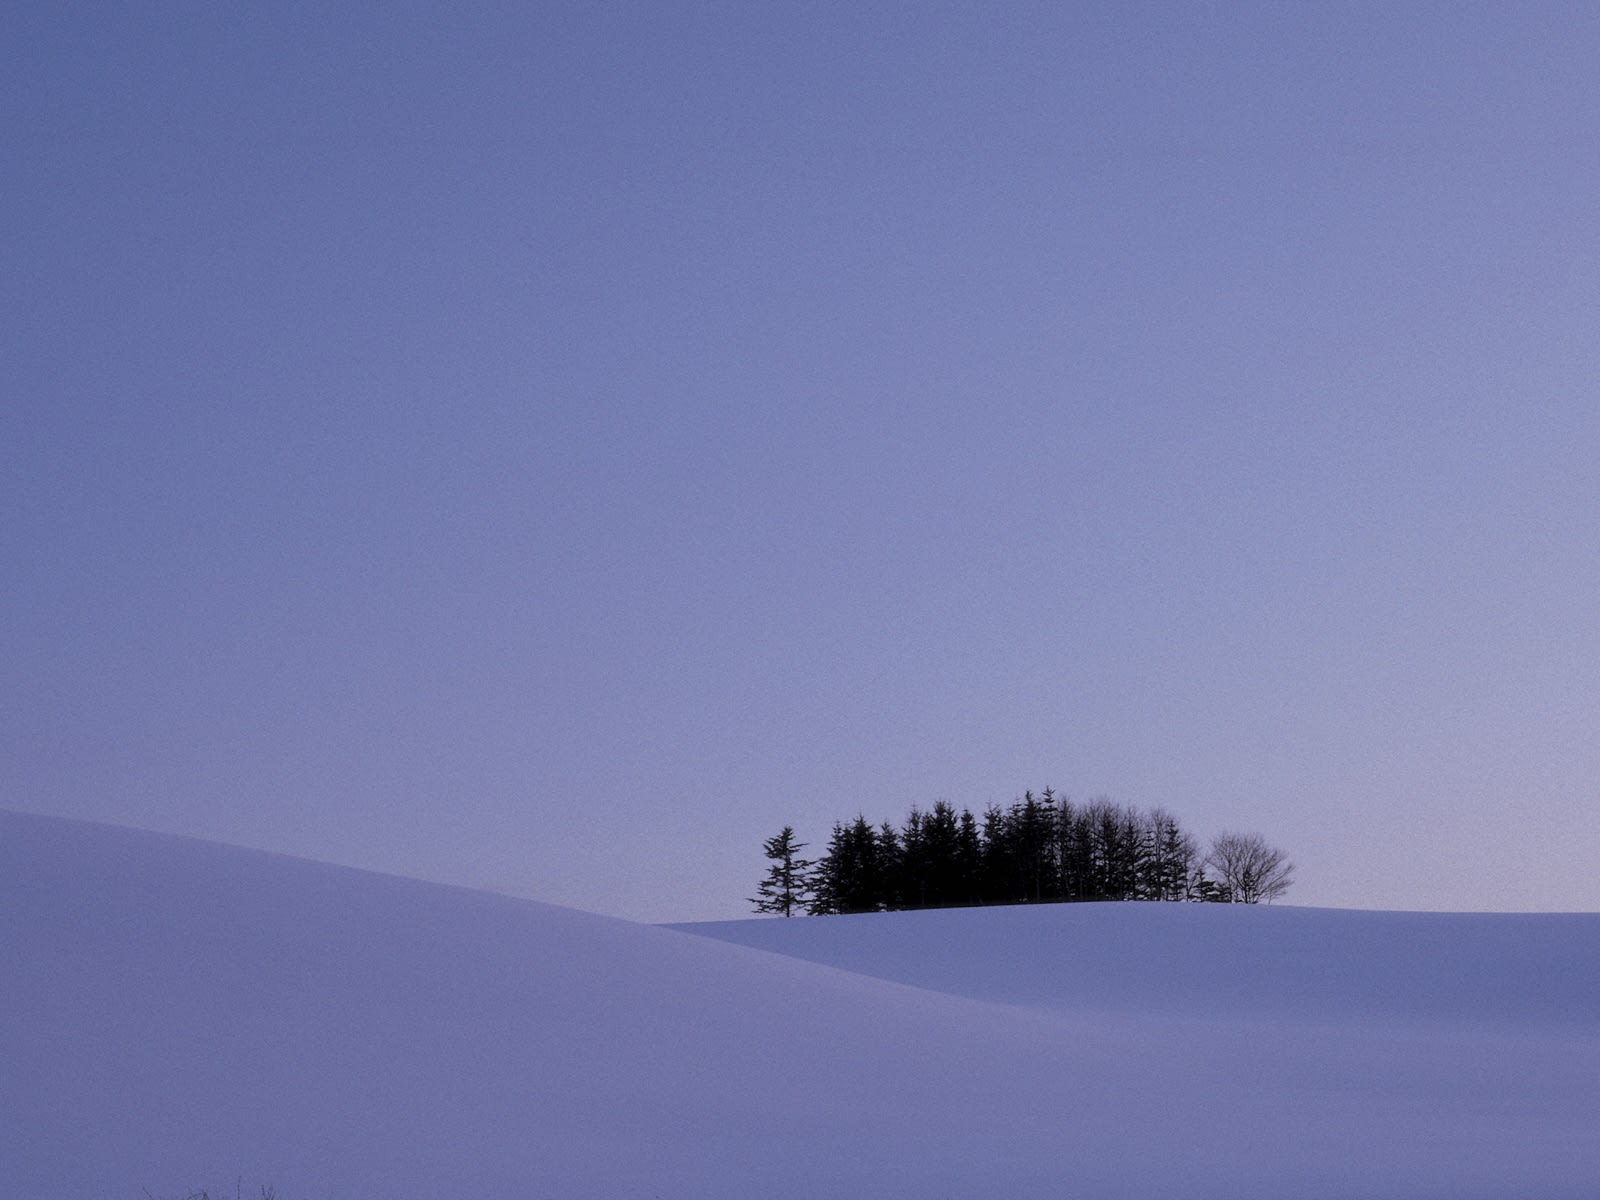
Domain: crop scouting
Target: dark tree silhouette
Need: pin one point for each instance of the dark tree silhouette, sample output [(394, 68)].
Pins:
[(851, 876), (787, 887), (1248, 869), (1170, 858), (1041, 849)]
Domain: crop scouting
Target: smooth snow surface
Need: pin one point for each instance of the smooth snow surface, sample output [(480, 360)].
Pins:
[(176, 1014)]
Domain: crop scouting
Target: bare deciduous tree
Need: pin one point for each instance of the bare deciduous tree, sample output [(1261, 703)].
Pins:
[(1248, 869)]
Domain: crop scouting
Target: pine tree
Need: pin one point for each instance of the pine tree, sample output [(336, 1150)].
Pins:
[(1074, 836), (995, 869), (788, 884), (1171, 856), (891, 867), (1207, 891), (969, 859), (827, 878), (850, 878), (941, 864), (1033, 823)]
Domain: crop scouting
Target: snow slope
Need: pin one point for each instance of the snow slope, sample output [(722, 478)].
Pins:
[(174, 1014), (1532, 973)]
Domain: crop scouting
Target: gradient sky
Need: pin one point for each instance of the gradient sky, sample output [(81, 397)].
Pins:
[(551, 447)]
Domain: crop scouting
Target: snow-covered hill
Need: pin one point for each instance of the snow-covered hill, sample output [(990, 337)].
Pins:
[(176, 1014), (1528, 973)]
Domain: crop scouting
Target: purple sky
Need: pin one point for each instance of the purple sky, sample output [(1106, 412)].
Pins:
[(551, 447)]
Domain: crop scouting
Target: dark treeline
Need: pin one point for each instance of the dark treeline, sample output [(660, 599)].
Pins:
[(1041, 849)]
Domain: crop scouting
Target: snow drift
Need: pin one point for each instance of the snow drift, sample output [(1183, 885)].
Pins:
[(174, 1014)]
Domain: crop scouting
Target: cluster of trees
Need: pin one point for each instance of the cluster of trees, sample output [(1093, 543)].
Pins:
[(1041, 849)]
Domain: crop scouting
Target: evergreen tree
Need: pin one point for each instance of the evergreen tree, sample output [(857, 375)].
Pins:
[(941, 862), (1170, 858), (1034, 836), (996, 873), (912, 881), (1075, 856), (827, 880), (891, 868), (1131, 850), (969, 860), (1207, 891), (850, 878), (787, 886), (1099, 822)]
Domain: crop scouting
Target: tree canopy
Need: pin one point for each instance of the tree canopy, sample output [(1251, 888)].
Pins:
[(1041, 848)]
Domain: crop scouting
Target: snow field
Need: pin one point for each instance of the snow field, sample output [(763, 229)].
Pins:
[(174, 1014)]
